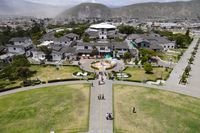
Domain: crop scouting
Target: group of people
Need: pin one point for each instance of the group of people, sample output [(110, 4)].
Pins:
[(109, 116), (100, 77), (101, 97)]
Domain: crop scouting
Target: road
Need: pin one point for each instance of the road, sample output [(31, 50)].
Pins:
[(194, 80), (178, 70)]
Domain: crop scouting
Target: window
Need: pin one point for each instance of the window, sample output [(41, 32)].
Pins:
[(102, 48), (14, 48), (86, 47)]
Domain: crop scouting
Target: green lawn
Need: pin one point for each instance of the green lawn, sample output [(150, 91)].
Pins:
[(156, 111), (62, 108), (167, 56), (46, 73), (4, 84), (138, 74)]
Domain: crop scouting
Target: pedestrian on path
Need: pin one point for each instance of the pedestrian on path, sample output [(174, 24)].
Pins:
[(110, 116), (99, 97), (107, 116), (133, 110), (103, 98)]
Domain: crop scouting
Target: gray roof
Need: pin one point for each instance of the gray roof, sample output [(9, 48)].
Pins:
[(19, 39), (36, 50), (68, 50), (56, 52), (15, 46), (49, 36), (84, 51), (55, 47), (93, 34), (71, 35), (61, 39), (133, 36), (122, 45)]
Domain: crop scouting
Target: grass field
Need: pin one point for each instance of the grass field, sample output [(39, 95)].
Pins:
[(46, 73), (169, 57), (156, 111), (173, 55), (138, 74), (62, 108)]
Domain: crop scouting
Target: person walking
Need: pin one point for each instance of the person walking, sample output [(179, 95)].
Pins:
[(103, 98), (107, 116), (110, 116), (133, 110)]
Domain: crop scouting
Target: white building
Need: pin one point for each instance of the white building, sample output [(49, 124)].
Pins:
[(16, 49), (37, 54), (21, 41), (103, 29)]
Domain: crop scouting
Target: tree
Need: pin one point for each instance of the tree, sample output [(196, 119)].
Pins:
[(11, 71), (148, 68), (47, 52), (179, 42), (187, 32), (86, 38), (24, 73), (127, 56), (59, 34), (20, 61), (126, 29), (136, 61), (144, 59)]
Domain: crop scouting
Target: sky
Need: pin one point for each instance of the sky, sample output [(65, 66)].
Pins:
[(106, 2)]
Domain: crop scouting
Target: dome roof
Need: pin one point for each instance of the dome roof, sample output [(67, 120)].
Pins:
[(103, 26)]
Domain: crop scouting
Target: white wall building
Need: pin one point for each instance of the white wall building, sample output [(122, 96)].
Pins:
[(21, 41), (103, 29)]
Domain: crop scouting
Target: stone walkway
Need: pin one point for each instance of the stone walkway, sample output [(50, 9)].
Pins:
[(99, 108)]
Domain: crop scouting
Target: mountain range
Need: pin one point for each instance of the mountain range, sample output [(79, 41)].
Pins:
[(169, 10), (25, 8), (181, 9)]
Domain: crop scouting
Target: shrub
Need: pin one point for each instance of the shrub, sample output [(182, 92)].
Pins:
[(148, 68)]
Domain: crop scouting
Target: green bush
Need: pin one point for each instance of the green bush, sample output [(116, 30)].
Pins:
[(148, 68)]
